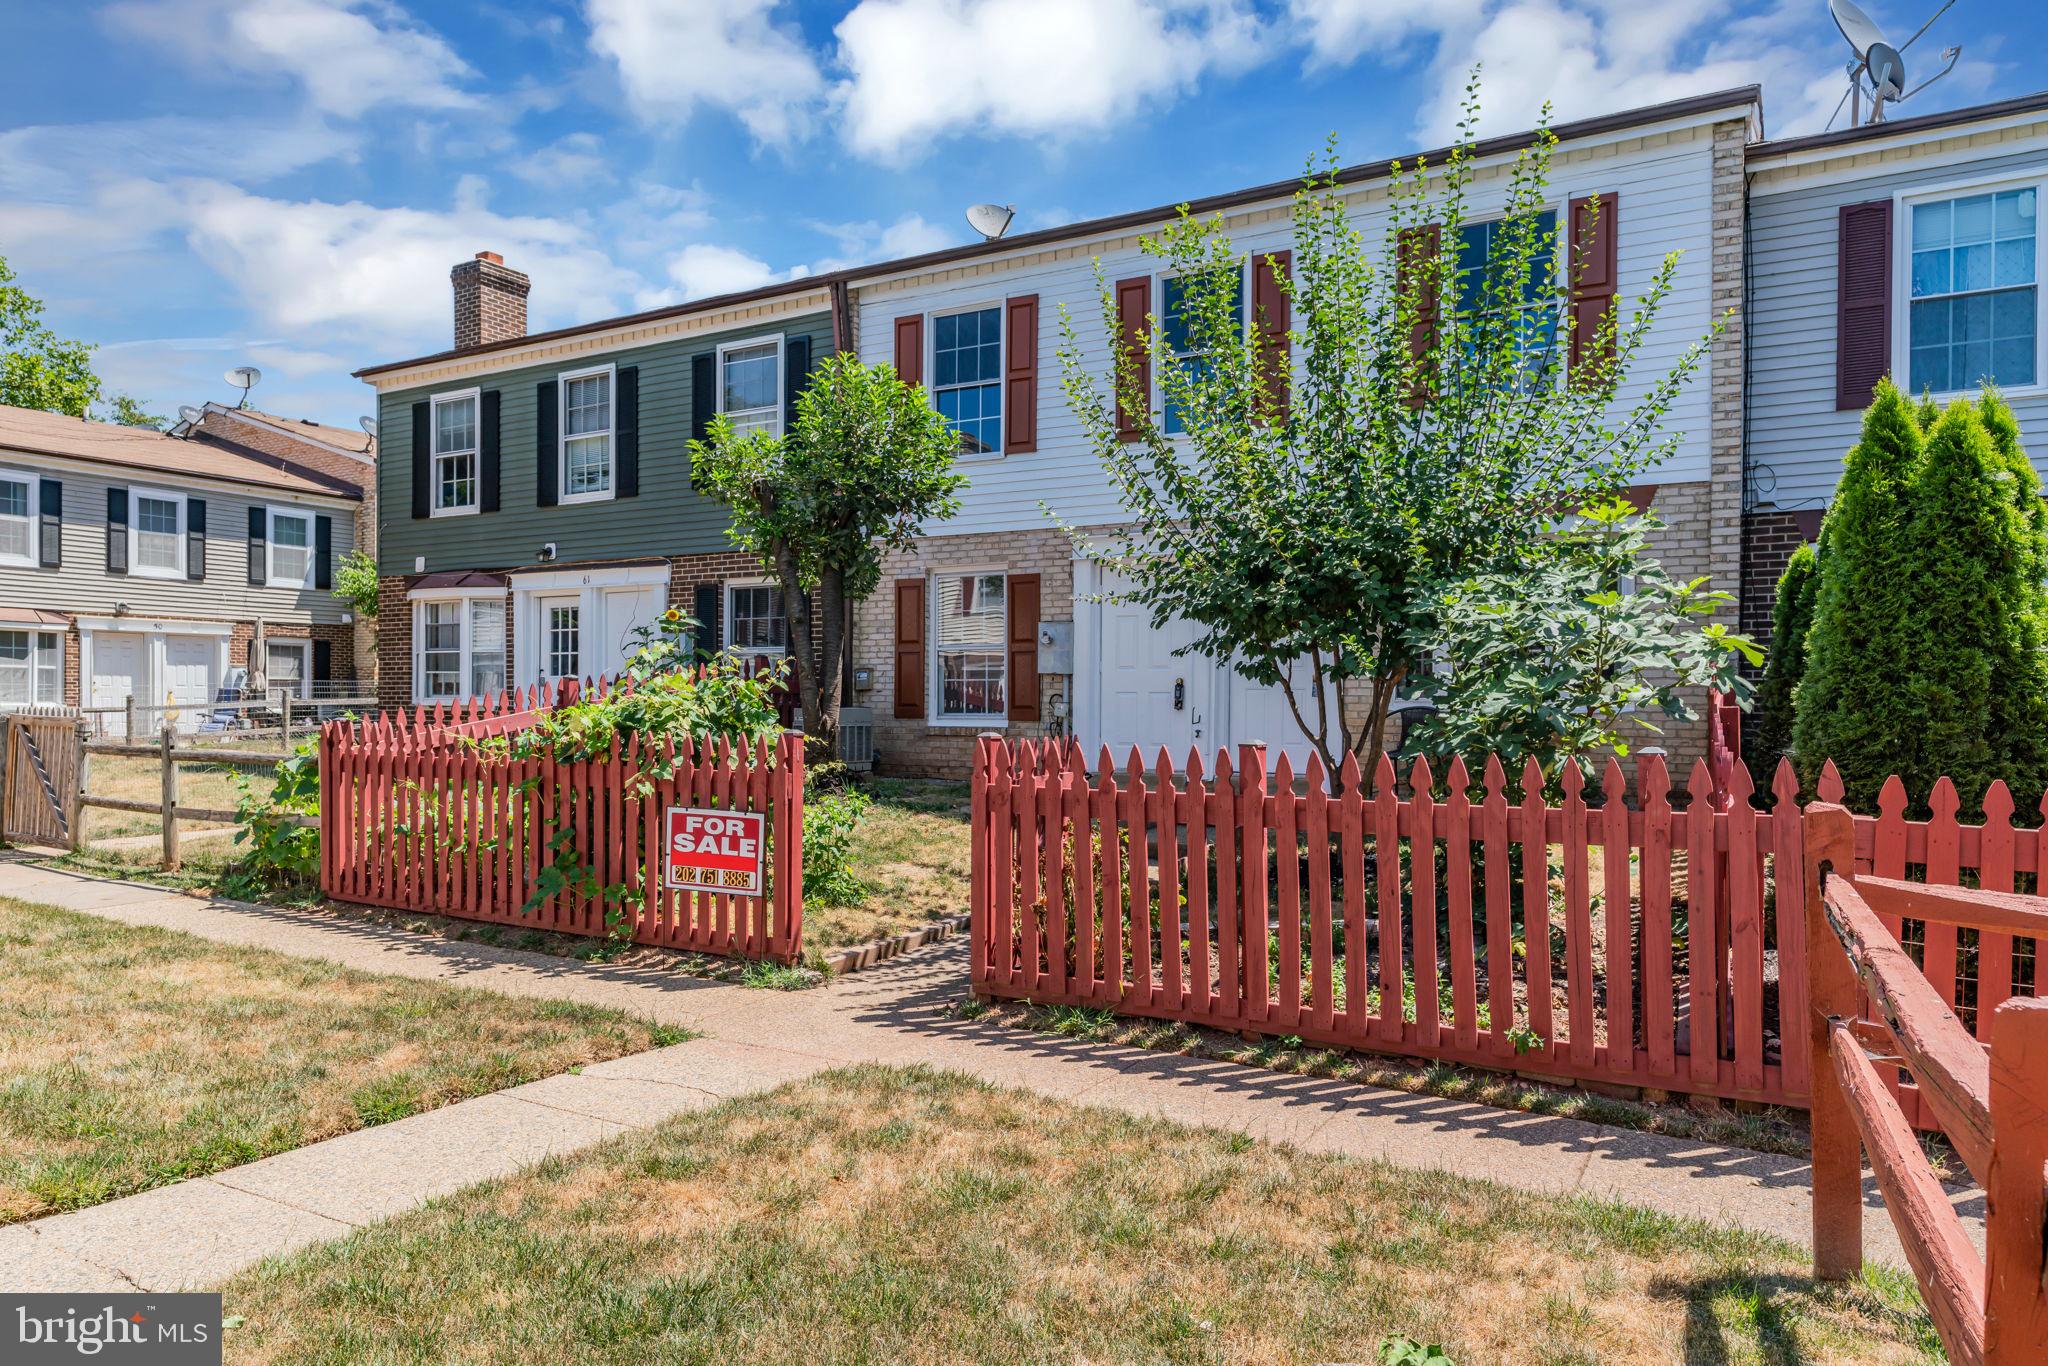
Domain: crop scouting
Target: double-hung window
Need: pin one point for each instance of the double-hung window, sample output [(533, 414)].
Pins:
[(750, 385), (455, 452), (1521, 292), (1184, 339), (970, 637), (17, 518), (1974, 312), (159, 533), (291, 548), (754, 624), (587, 435), (31, 667), (967, 377), (287, 666), (459, 645)]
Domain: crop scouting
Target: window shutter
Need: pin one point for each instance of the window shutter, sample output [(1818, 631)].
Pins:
[(1595, 224), (910, 348), (1272, 315), (422, 459), (323, 660), (1133, 302), (50, 540), (195, 538), (910, 661), (703, 394), (626, 432), (1416, 254), (117, 531), (1863, 301), (1023, 592), (323, 551), (259, 556), (796, 375), (1020, 374), (709, 597), (547, 424), (488, 455)]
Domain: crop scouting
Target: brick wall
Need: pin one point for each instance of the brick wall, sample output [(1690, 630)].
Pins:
[(490, 301), (1769, 538)]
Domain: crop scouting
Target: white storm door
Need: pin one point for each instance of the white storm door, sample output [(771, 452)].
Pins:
[(189, 664), (625, 611), (1149, 697), (120, 670)]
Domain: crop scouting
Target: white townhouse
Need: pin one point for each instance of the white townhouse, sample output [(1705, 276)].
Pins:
[(988, 623)]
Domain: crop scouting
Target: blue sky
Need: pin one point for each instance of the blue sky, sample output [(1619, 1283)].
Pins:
[(194, 184)]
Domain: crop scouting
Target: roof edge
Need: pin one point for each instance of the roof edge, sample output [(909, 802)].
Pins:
[(2036, 102)]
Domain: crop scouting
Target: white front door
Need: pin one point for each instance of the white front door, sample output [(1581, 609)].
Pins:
[(1149, 696), (120, 670), (561, 636), (625, 611), (189, 664)]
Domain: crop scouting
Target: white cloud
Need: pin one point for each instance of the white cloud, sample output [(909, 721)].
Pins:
[(567, 163), (674, 55), (50, 160), (351, 56), (920, 70), (701, 270), (866, 243), (1339, 32)]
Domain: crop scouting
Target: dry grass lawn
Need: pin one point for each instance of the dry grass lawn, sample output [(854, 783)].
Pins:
[(912, 851), (138, 779), (905, 1215), (133, 1057)]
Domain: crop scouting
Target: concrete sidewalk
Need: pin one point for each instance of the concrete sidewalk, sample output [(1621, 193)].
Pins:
[(198, 1232)]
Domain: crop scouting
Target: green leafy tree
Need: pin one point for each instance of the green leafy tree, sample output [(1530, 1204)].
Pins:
[(1791, 619), (39, 369), (862, 469), (129, 412), (1310, 519), (355, 582), (1574, 654)]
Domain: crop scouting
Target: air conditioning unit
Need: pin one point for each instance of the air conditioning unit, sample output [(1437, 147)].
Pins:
[(856, 736)]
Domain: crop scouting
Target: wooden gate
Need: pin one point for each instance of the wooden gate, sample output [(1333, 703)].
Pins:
[(42, 780)]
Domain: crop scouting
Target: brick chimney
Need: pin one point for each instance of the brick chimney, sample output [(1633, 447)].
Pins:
[(490, 300)]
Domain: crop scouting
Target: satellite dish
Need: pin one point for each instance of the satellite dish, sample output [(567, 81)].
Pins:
[(368, 424), (1887, 72), (1879, 63), (991, 220), (1859, 28), (188, 413), (243, 377)]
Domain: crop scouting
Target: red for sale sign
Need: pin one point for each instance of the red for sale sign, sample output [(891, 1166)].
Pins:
[(716, 851)]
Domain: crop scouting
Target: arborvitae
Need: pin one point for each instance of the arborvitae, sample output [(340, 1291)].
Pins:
[(1791, 618), (1851, 705), (2019, 709)]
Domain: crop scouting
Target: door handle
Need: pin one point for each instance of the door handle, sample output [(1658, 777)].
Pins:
[(1180, 694)]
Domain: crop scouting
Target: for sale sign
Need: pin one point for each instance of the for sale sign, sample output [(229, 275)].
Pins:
[(716, 851)]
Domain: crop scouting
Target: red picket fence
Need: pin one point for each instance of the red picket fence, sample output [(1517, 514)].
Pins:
[(416, 816), (1236, 901)]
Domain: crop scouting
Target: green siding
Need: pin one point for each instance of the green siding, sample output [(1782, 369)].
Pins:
[(668, 518)]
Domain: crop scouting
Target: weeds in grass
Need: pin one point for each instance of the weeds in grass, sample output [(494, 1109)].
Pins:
[(767, 976)]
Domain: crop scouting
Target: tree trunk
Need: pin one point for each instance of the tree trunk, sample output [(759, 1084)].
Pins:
[(796, 621), (831, 655)]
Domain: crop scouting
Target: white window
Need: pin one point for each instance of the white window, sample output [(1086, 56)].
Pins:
[(158, 522), (1973, 306), (18, 513), (1190, 355), (291, 548), (458, 648), (586, 403), (31, 667), (750, 385), (754, 624), (970, 639), (287, 664), (455, 452), (967, 377), (1527, 300)]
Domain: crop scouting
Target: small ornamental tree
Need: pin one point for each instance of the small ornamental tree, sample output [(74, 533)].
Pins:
[(865, 465), (1791, 619), (1308, 505)]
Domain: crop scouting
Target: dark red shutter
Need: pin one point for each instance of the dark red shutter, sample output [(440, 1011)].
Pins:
[(1595, 222), (1020, 374), (1023, 589), (1271, 316), (910, 348), (910, 661), (1133, 302), (1415, 256), (1863, 301)]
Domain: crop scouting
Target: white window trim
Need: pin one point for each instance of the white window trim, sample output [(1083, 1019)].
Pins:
[(304, 647), (934, 678), (270, 546), (136, 569), (1902, 275), (33, 559), (467, 665), (725, 613), (33, 664), (611, 435), (931, 367), (1244, 321), (781, 371), (434, 507)]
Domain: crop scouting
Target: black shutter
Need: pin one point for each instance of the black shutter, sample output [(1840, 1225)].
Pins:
[(708, 600), (117, 531), (487, 450), (259, 552), (323, 660), (51, 536), (796, 375), (323, 551), (195, 538), (422, 459), (547, 422), (703, 393), (626, 432)]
